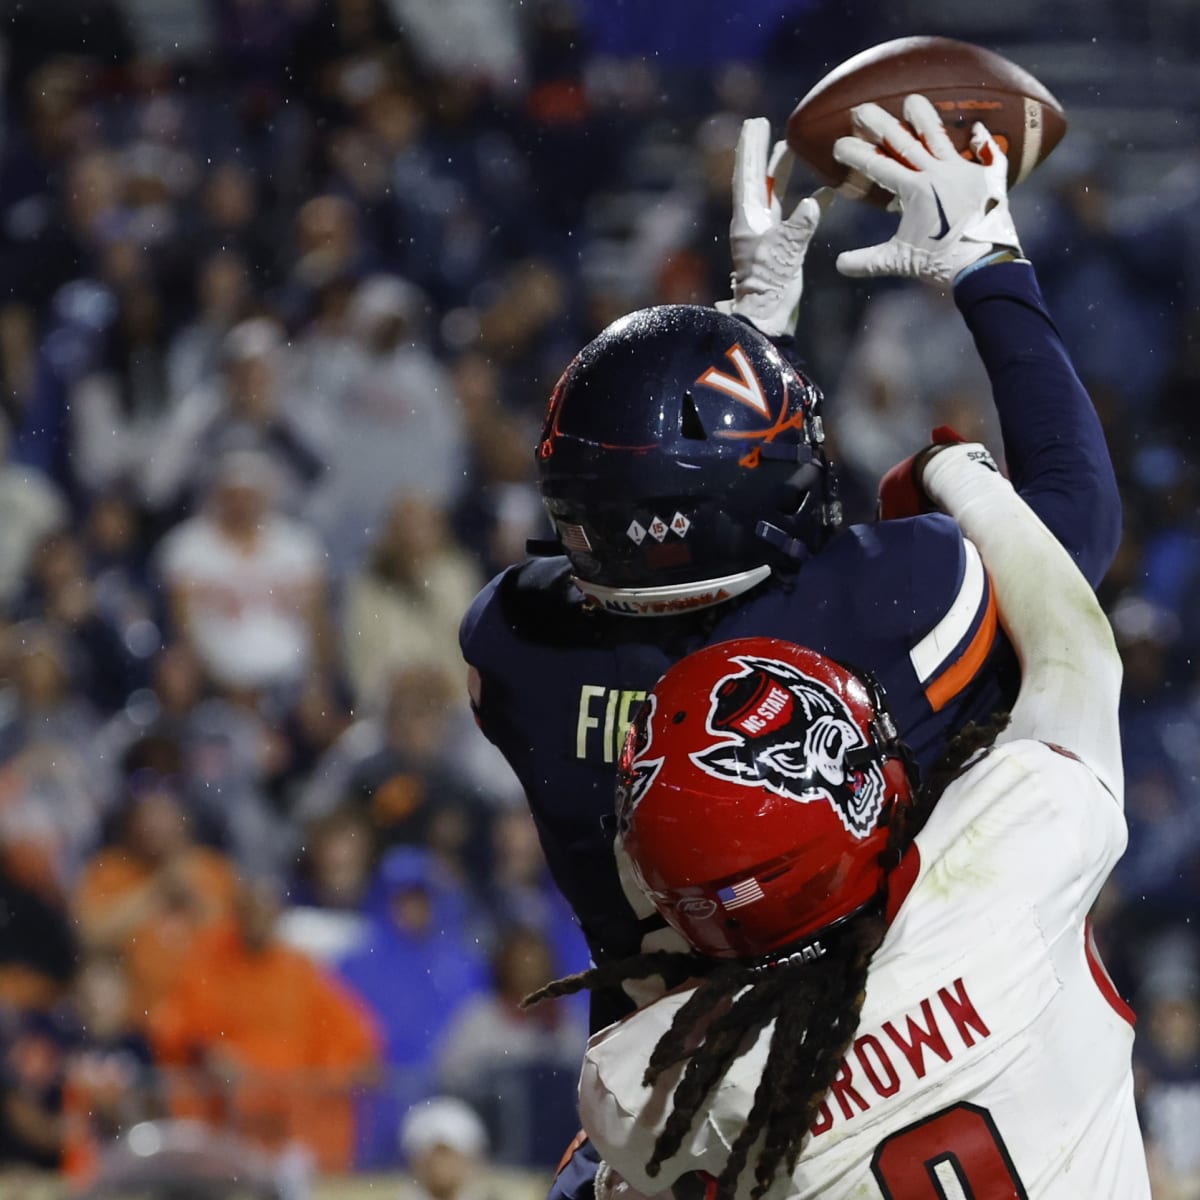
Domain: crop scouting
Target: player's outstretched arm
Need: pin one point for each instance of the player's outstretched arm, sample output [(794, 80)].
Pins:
[(768, 249), (1070, 667), (955, 228)]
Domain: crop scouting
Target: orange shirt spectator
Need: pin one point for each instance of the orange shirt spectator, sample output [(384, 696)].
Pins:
[(146, 897), (279, 1042)]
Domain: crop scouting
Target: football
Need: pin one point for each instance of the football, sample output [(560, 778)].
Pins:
[(966, 84)]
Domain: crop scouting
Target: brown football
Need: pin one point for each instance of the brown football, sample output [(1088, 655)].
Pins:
[(966, 83)]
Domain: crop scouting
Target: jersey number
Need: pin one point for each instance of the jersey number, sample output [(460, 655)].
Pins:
[(956, 1154)]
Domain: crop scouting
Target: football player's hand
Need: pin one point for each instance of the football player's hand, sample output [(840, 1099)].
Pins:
[(900, 490), (953, 210), (768, 251)]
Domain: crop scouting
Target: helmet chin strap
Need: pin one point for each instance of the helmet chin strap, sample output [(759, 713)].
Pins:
[(674, 598)]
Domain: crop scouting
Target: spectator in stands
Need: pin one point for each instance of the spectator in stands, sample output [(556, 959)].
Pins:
[(38, 948), (108, 1082), (406, 772), (53, 782), (527, 327), (228, 754), (93, 624), (403, 606), (328, 249), (521, 1071), (148, 896), (33, 508), (248, 405), (115, 547), (223, 299), (894, 383), (418, 964), (281, 1043), (1167, 1064), (500, 508), (246, 584), (520, 892), (326, 914), (235, 217), (337, 862), (1107, 267), (391, 416), (32, 1064), (1160, 739), (444, 1144), (44, 234)]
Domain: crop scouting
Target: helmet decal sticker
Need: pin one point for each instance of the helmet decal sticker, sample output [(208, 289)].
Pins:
[(745, 387), (658, 528), (785, 731), (574, 537), (744, 892), (787, 418)]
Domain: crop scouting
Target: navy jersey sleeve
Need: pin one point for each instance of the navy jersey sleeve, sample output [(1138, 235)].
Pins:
[(1053, 442)]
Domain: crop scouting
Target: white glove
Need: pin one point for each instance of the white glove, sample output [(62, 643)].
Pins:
[(953, 211), (768, 252)]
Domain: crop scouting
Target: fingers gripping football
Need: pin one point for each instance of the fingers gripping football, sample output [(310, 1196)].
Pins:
[(953, 210), (768, 251)]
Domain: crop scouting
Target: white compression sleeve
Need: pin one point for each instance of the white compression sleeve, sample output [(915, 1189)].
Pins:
[(1070, 668)]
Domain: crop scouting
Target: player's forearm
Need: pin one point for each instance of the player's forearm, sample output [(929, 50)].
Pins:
[(1053, 442), (1070, 668)]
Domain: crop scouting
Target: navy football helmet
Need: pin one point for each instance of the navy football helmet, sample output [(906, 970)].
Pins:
[(682, 461)]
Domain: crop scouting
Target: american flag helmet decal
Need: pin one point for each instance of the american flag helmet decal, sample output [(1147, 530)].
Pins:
[(574, 537), (746, 891)]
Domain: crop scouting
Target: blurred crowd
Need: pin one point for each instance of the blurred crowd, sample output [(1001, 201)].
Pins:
[(284, 287)]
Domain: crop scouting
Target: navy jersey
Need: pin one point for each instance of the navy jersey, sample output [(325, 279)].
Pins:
[(908, 600)]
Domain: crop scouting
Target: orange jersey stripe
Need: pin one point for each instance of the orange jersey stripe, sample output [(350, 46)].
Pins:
[(952, 681)]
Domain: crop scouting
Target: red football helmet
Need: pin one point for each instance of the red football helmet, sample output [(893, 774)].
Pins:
[(755, 795)]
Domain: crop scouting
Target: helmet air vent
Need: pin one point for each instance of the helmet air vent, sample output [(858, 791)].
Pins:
[(690, 425)]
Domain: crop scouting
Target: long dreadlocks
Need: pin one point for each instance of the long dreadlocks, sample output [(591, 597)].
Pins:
[(815, 1006)]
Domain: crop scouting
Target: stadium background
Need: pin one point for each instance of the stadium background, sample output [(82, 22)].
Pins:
[(284, 285)]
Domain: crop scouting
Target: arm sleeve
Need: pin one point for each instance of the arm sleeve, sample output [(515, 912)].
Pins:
[(1054, 446), (1070, 668)]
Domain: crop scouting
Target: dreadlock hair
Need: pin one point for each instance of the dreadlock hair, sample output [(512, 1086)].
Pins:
[(814, 1003)]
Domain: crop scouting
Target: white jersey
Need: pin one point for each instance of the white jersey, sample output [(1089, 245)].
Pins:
[(250, 611), (992, 1058)]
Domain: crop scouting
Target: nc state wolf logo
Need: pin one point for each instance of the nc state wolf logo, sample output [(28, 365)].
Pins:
[(781, 729)]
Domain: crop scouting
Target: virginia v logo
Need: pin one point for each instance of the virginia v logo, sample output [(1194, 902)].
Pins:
[(744, 387)]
